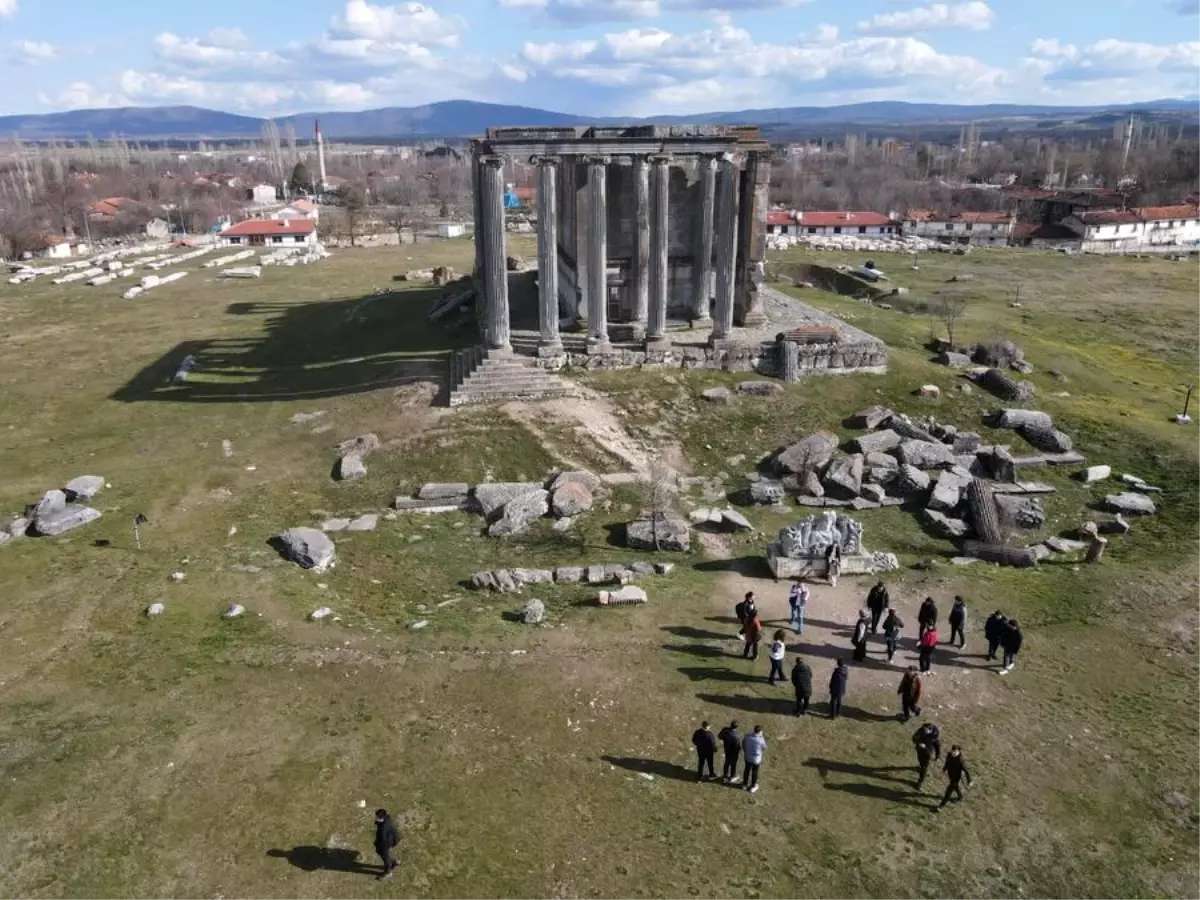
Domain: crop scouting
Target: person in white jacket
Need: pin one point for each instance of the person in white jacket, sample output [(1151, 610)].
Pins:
[(776, 652), (754, 747)]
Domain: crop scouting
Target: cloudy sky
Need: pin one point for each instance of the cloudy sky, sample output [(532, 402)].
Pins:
[(599, 57)]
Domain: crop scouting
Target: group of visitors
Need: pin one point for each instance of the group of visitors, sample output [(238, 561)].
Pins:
[(1004, 634), (928, 743), (752, 747)]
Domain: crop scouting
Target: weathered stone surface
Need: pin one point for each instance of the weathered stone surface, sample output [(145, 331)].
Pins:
[(821, 502), (563, 524), (997, 353), (874, 493), (844, 476), (577, 476), (810, 484), (1003, 554), (945, 433), (156, 609), (664, 568), (699, 516), (1046, 438), (492, 496), (366, 522), (642, 568), (51, 502), (810, 453), (17, 526), (671, 532), (335, 524), (1016, 418), (85, 487), (595, 575), (943, 526), (1070, 458), (881, 461), (533, 612), (445, 504), (947, 492), (627, 596), (906, 428), (1041, 551), (965, 442), (736, 520), (307, 547), (505, 583), (362, 446), (717, 394), (954, 360), (321, 612), (568, 575), (1115, 525), (618, 573), (759, 388), (876, 442), (571, 499), (521, 512), (64, 519), (928, 390), (351, 466), (1020, 510), (1006, 388), (767, 491), (1139, 485), (234, 611), (861, 503), (532, 576), (1092, 474), (910, 480), (443, 491), (484, 581), (1065, 545), (925, 454), (1001, 465), (870, 418), (1130, 504)]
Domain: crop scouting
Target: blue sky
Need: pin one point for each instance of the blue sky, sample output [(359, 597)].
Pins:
[(633, 57)]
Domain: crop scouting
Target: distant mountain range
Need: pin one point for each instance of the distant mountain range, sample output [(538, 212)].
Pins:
[(459, 118)]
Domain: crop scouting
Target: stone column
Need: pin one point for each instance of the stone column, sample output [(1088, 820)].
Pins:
[(752, 241), (726, 236), (549, 342), (475, 214), (597, 275), (495, 268), (641, 250), (660, 183), (702, 264)]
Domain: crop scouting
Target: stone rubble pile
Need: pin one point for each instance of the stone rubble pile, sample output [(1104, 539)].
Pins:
[(508, 581), (58, 511)]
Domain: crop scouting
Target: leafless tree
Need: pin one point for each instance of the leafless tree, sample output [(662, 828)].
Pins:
[(950, 309)]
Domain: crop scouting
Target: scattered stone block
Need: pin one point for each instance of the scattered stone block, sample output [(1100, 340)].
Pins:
[(808, 454), (910, 480), (642, 568), (363, 445), (1022, 511), (948, 491), (321, 612), (1017, 418), (664, 568), (1046, 438), (767, 491), (1004, 387), (367, 522), (532, 576), (85, 487), (717, 394), (929, 390), (735, 520), (925, 454), (1001, 464), (874, 493), (700, 515), (568, 575), (582, 477), (492, 497), (17, 526), (1093, 474), (965, 442), (234, 611), (63, 519), (657, 530), (335, 524), (870, 418), (307, 547), (876, 442), (759, 388), (570, 499), (443, 491), (1139, 485), (1065, 545), (810, 483), (906, 428), (954, 360), (350, 467), (156, 609), (944, 526), (595, 575), (1041, 551), (1001, 553), (533, 612), (881, 461), (844, 477), (1115, 525), (505, 583), (628, 595), (51, 502), (563, 524), (521, 512), (1130, 504), (418, 625)]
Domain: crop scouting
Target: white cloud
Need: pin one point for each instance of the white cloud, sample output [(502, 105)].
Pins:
[(8, 9), (1111, 59), (232, 38), (81, 95), (404, 23), (973, 16), (28, 52), (583, 12), (513, 73)]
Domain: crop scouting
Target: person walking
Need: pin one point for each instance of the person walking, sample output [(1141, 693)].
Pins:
[(802, 682), (753, 634), (956, 770), (910, 694), (891, 633), (837, 688), (386, 839), (833, 562), (862, 628), (877, 601), (928, 741), (993, 629), (731, 740), (705, 743), (958, 622), (925, 648), (797, 601), (1010, 641), (927, 616), (776, 653), (754, 746), (745, 609)]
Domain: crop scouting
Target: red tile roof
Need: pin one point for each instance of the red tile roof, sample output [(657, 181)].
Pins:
[(779, 217), (110, 206), (850, 219), (983, 218), (1159, 213), (269, 227)]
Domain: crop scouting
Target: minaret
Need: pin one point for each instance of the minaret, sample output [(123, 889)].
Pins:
[(320, 156)]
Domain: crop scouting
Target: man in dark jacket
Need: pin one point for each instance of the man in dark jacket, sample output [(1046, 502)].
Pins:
[(877, 602), (1011, 640), (802, 682), (928, 741), (731, 740), (891, 633), (706, 750), (958, 622), (910, 693), (837, 688), (926, 616), (993, 629), (956, 770), (386, 839)]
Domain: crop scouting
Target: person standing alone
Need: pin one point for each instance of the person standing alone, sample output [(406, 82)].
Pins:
[(958, 622), (754, 746), (837, 688), (956, 770), (386, 839), (910, 694), (861, 629), (797, 601), (776, 653), (802, 682), (706, 750), (877, 602), (752, 632), (1010, 640), (731, 740)]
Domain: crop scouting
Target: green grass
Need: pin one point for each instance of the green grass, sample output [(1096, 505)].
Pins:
[(188, 756)]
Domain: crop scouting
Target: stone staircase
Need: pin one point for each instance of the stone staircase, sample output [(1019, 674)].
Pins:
[(482, 376)]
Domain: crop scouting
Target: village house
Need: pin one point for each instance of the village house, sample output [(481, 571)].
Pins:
[(797, 222), (263, 194), (987, 229), (110, 207), (1111, 230), (299, 209), (270, 233), (56, 246)]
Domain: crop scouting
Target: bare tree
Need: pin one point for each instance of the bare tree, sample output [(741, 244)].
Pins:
[(951, 308), (659, 489)]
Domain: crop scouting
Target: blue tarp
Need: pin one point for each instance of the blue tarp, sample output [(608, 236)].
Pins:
[(511, 201)]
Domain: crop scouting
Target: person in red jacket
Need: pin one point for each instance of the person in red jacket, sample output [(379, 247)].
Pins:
[(925, 648), (753, 634)]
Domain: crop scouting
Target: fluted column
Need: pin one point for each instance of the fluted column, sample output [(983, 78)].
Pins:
[(660, 181), (597, 275), (549, 342), (727, 231), (495, 268), (476, 215), (703, 266), (641, 250)]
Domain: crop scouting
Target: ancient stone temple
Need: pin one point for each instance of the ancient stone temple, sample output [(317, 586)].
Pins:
[(636, 225)]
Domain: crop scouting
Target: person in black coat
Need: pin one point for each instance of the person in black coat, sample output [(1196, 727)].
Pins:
[(993, 630), (877, 602), (956, 770), (731, 740), (862, 628), (386, 839), (958, 622), (927, 616), (802, 682), (928, 741), (705, 743), (892, 627), (1011, 640), (837, 688)]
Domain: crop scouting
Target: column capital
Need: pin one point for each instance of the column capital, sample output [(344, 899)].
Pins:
[(545, 160), (593, 160), (661, 159), (708, 160), (492, 160)]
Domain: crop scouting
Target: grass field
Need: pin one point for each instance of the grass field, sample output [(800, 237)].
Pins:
[(186, 755)]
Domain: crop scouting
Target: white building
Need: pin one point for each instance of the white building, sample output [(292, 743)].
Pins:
[(270, 233), (299, 209), (796, 222), (450, 230), (263, 194), (986, 229), (1110, 230)]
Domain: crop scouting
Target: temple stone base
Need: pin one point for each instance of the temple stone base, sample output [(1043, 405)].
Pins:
[(814, 566)]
